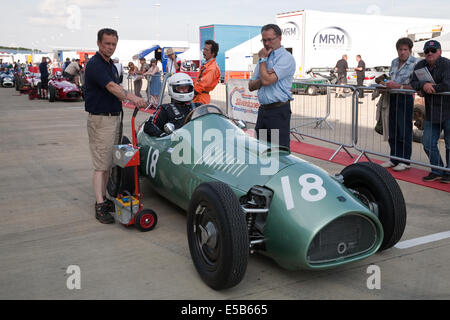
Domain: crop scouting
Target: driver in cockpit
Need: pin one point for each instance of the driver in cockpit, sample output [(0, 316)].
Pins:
[(181, 91)]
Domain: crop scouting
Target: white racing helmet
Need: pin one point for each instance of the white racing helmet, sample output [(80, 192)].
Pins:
[(58, 74), (181, 79)]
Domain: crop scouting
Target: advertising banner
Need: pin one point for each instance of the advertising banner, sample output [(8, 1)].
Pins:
[(242, 104)]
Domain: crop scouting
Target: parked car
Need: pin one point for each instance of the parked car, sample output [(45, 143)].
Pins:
[(60, 88), (7, 79), (370, 75), (315, 76), (294, 212)]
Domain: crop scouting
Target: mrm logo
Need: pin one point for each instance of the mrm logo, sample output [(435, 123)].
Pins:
[(290, 30), (332, 38)]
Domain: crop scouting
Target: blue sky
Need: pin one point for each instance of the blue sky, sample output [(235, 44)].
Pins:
[(45, 23)]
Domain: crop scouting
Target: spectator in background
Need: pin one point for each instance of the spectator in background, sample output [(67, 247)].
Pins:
[(119, 69), (43, 69), (83, 70), (272, 78), (72, 72), (209, 75), (143, 69), (155, 83), (341, 70), (437, 107), (172, 65), (401, 106), (360, 75), (132, 71), (65, 64), (159, 64)]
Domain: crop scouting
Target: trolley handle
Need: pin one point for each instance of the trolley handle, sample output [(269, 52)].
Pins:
[(136, 110)]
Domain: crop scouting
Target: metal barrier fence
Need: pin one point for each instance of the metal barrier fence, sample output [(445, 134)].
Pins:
[(349, 123), (324, 117), (403, 142)]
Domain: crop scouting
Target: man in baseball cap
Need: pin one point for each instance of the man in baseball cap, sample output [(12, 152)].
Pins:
[(437, 108), (431, 44)]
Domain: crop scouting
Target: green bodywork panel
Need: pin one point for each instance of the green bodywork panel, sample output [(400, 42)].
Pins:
[(306, 198)]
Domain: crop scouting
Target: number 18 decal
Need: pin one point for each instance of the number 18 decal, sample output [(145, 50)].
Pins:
[(154, 157), (312, 189)]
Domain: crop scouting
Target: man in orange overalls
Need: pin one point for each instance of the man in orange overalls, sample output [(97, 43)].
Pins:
[(209, 74)]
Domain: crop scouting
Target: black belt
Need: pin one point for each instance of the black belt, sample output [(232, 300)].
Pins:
[(112, 114), (273, 105)]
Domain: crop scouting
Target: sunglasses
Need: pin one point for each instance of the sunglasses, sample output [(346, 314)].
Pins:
[(432, 50)]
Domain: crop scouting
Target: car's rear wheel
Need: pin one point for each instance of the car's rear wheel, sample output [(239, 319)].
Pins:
[(51, 93), (217, 235), (121, 179), (377, 189)]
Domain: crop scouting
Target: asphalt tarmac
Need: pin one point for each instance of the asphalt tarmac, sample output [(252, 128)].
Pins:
[(49, 234)]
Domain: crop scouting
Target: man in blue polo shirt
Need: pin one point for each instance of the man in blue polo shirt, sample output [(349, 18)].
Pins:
[(103, 98), (272, 78)]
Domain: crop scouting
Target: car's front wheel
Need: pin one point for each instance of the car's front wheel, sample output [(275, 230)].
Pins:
[(217, 235), (377, 189), (51, 93)]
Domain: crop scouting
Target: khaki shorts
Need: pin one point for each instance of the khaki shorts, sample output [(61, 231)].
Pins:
[(103, 132)]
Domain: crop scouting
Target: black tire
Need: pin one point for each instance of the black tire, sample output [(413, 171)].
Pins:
[(51, 93), (146, 220), (311, 90), (377, 185), (215, 212), (121, 180)]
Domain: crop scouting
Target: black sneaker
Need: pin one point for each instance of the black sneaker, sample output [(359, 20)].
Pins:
[(111, 207), (102, 214), (445, 178), (431, 177)]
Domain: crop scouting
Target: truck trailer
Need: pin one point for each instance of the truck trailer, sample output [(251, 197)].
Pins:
[(319, 39)]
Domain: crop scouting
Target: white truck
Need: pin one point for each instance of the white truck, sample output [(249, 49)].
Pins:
[(318, 39)]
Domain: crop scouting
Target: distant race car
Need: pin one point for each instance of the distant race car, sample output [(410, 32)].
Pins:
[(60, 88), (27, 81), (244, 195), (7, 79)]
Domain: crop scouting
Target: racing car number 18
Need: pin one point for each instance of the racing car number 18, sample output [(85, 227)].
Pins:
[(154, 157), (307, 189)]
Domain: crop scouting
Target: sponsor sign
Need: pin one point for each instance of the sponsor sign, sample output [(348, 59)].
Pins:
[(242, 104), (290, 31), (331, 38)]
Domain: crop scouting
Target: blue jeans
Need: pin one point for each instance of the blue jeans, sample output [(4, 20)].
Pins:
[(400, 126), (431, 134)]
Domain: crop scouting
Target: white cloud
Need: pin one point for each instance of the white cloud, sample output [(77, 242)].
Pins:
[(94, 4), (56, 12)]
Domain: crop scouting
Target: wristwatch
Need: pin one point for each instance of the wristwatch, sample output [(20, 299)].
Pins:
[(261, 60)]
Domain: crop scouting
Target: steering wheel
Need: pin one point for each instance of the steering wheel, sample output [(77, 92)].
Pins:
[(202, 110)]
